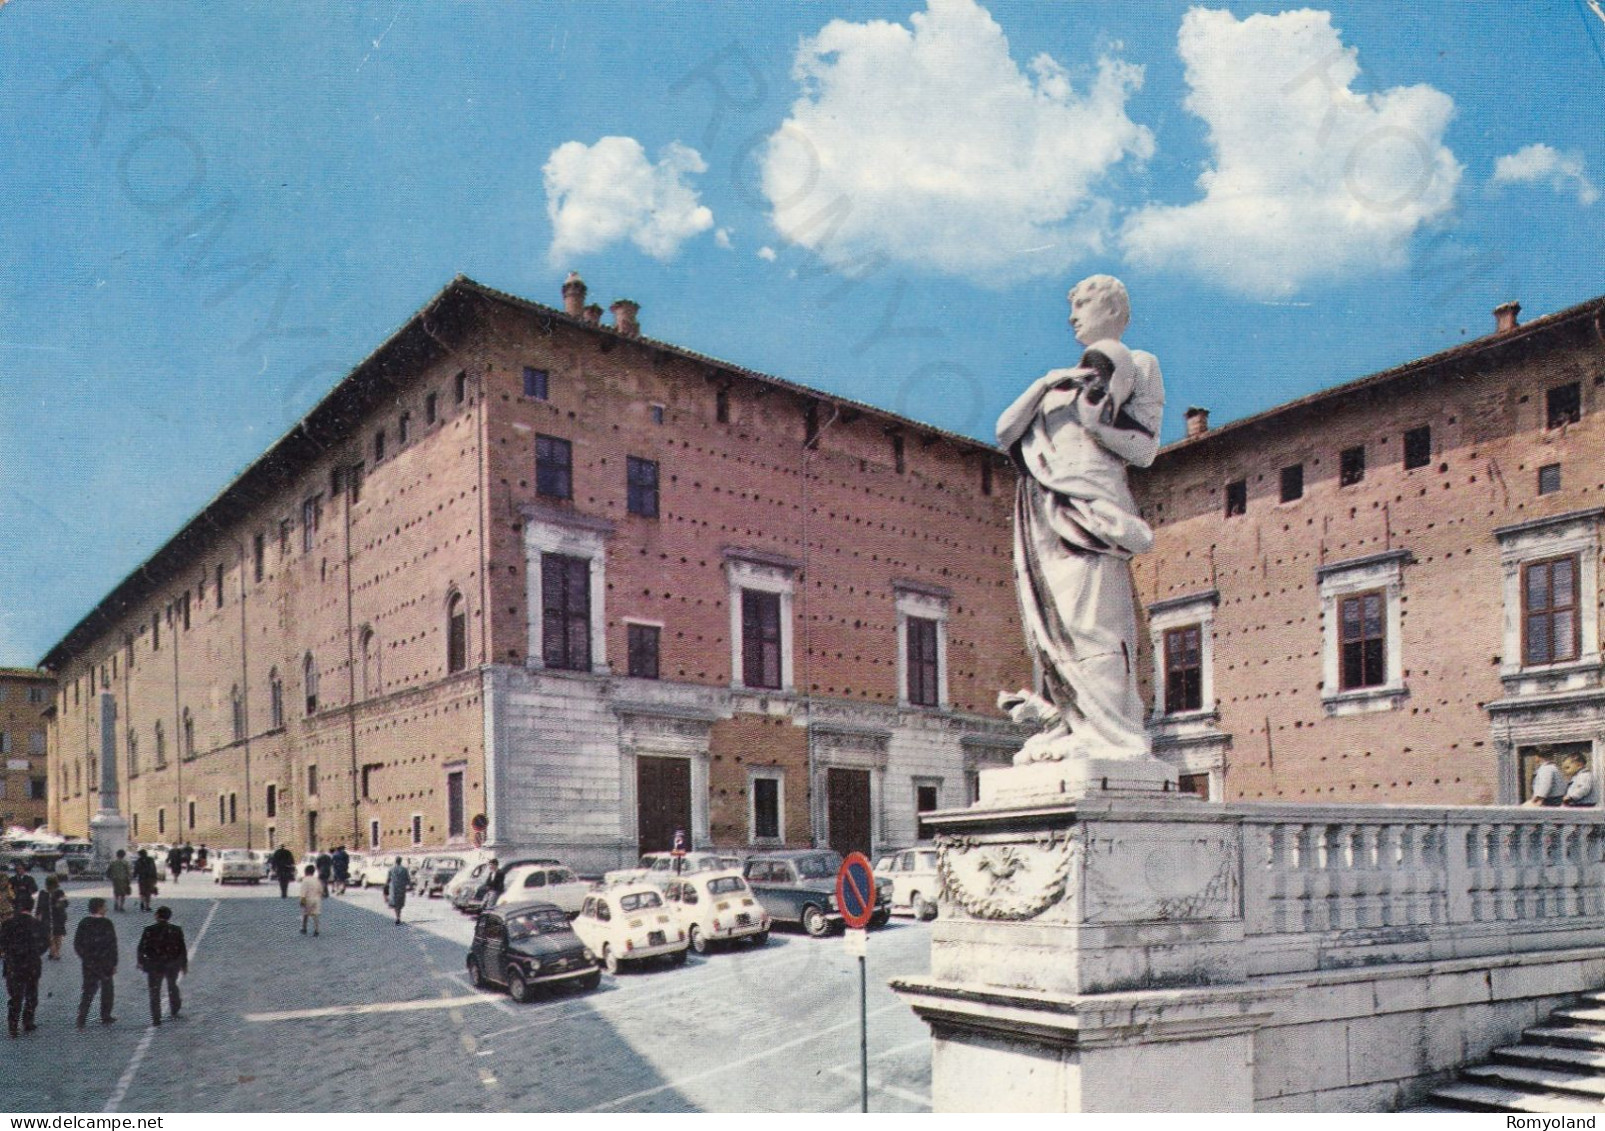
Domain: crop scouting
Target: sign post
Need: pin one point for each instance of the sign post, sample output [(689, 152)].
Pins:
[(855, 899)]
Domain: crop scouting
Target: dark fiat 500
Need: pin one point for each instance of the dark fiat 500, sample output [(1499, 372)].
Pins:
[(799, 886), (526, 946)]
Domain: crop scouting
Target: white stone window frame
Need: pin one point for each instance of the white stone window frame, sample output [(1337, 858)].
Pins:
[(765, 574), (1574, 533), (1384, 572), (766, 773), (1183, 612), (576, 536), (931, 604)]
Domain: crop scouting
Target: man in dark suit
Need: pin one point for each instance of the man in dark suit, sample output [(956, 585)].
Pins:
[(23, 942), (163, 956), (96, 945)]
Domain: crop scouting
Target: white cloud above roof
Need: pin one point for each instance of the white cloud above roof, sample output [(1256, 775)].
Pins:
[(1539, 163), (927, 145), (603, 194), (1310, 180)]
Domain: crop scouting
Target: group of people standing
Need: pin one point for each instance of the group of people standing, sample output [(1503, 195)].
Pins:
[(1564, 781), (37, 927)]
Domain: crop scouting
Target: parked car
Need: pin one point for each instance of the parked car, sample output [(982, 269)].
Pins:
[(437, 872), (799, 886), (375, 871), (524, 946), (78, 856), (718, 907), (913, 883), (630, 923), (659, 867), (238, 866), (554, 883), (471, 894)]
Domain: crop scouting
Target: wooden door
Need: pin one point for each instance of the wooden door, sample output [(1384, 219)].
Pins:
[(847, 796), (663, 801)]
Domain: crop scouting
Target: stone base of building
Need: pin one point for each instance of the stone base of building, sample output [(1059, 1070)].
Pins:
[(108, 833)]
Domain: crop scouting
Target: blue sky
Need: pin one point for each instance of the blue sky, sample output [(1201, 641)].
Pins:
[(216, 210)]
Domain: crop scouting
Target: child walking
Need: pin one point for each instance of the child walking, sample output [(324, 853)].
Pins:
[(311, 899)]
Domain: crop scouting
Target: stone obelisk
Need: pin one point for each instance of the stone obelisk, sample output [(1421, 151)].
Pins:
[(108, 829)]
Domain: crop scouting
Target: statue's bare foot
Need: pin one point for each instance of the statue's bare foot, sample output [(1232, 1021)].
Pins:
[(1027, 707), (1045, 746)]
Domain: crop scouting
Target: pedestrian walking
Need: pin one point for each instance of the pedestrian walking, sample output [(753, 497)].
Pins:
[(52, 911), (311, 900), (340, 862), (23, 942), (494, 884), (200, 858), (122, 879), (325, 866), (175, 862), (163, 956), (396, 885), (283, 864), (145, 875), (21, 882), (188, 857), (95, 942)]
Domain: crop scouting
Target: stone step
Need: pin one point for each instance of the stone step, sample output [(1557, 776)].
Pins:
[(1553, 1056), (1580, 1016), (1571, 1036), (1553, 1080), (1467, 1096)]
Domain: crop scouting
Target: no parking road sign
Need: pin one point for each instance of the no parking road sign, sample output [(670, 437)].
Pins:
[(855, 890)]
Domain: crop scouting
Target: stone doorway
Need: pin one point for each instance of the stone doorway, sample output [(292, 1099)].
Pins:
[(663, 801)]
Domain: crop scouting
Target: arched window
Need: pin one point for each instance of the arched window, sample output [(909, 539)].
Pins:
[(161, 745), (187, 735), (309, 679), (456, 633), (237, 711), (275, 699), (370, 662)]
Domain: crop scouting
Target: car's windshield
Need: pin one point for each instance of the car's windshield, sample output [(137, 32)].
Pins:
[(928, 861), (234, 854), (562, 876), (639, 901), (548, 922), (818, 867), (448, 864), (725, 885)]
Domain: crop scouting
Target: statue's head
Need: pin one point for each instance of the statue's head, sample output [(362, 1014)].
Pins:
[(1099, 309)]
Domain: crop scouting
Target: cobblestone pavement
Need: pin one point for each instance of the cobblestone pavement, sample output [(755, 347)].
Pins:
[(370, 1016)]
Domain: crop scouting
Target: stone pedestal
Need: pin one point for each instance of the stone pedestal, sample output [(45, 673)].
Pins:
[(108, 833), (1075, 778)]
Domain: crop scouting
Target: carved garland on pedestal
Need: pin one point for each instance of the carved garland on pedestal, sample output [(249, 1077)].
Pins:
[(1004, 881)]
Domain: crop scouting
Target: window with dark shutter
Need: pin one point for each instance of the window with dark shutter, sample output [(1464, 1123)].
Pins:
[(456, 634), (1292, 482), (644, 640), (535, 383), (922, 662), (1351, 466), (760, 639), (1564, 405), (554, 467), (642, 485), (1236, 498), (1362, 639), (766, 808), (1551, 630), (1184, 669), (566, 612), (1417, 447)]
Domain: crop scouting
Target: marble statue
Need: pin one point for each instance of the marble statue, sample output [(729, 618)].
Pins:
[(1071, 435)]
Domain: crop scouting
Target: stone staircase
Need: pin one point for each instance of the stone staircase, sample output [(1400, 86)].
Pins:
[(1558, 1068)]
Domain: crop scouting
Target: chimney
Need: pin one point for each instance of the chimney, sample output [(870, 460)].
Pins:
[(1505, 317), (624, 312), (593, 314), (1197, 421), (574, 295)]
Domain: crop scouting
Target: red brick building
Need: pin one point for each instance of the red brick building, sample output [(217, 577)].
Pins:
[(585, 584), (1388, 591), (25, 696)]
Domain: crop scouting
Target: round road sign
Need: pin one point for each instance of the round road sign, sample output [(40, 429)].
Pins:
[(855, 890)]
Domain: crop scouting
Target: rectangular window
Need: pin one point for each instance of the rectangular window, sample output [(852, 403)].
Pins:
[(1197, 784), (404, 429), (459, 393), (1549, 479), (233, 808), (354, 483), (923, 687), (1237, 498), (1564, 404), (1551, 628), (1362, 640), (185, 610), (642, 484), (1351, 466), (986, 477), (1184, 669), (456, 826), (312, 780), (37, 788), (192, 811), (373, 834), (272, 809), (766, 808), (1292, 482), (925, 799), (760, 639), (161, 821), (311, 516), (258, 556), (285, 526), (222, 810), (554, 467), (367, 779), (379, 446), (721, 406), (155, 636), (431, 408), (218, 579), (536, 384), (566, 612), (644, 639), (657, 414), (1418, 447), (417, 828)]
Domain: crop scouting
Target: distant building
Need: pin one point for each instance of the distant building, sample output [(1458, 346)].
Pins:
[(1390, 590), (526, 571), (25, 696)]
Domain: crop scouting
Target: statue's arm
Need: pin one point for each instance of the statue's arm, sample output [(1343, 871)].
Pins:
[(1133, 432), (1016, 419)]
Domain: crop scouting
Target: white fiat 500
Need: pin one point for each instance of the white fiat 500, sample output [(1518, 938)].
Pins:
[(630, 923), (718, 907)]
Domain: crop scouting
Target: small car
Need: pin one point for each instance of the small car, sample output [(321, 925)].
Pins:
[(78, 856), (525, 946), (914, 882), (375, 871), (470, 891), (718, 907), (799, 886), (545, 880), (238, 865), (630, 923), (437, 872), (659, 867)]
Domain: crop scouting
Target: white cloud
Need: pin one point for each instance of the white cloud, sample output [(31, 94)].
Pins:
[(928, 145), (1311, 181), (721, 236), (602, 194), (1564, 172), (766, 253)]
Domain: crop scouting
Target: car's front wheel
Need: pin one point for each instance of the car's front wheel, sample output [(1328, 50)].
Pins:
[(814, 922), (591, 980), (518, 988), (610, 961), (760, 939), (476, 976), (698, 942)]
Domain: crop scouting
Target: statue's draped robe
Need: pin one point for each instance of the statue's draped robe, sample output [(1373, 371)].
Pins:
[(1075, 529)]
